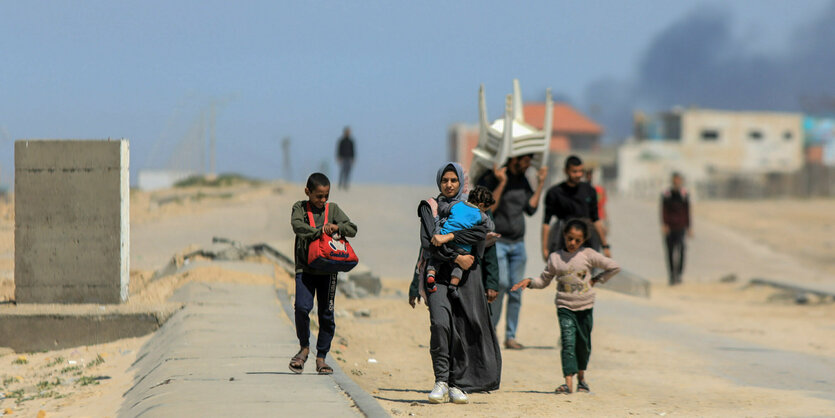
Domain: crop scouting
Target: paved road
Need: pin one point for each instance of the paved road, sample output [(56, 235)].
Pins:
[(713, 252), (387, 220), (260, 220), (225, 354), (740, 362)]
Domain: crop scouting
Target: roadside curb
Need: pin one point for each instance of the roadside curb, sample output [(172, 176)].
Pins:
[(364, 401)]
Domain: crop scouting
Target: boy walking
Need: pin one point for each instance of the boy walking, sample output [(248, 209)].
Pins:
[(309, 282)]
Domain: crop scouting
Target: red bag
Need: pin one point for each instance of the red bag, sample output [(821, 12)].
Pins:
[(329, 253)]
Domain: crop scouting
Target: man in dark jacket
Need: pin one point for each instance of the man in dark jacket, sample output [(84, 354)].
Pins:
[(675, 223), (345, 157), (515, 198), (572, 199)]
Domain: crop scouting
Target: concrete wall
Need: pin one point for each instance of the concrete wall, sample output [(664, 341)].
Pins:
[(53, 327), (72, 221), (644, 167), (780, 148)]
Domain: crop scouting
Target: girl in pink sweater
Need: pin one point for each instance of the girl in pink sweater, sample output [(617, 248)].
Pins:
[(572, 269)]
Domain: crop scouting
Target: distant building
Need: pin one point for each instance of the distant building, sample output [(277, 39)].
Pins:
[(571, 130), (461, 139), (706, 144), (819, 138)]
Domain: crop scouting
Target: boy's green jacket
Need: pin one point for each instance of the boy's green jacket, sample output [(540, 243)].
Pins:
[(305, 233)]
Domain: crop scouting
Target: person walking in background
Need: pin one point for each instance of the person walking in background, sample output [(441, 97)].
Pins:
[(345, 157), (675, 223), (572, 199), (514, 199)]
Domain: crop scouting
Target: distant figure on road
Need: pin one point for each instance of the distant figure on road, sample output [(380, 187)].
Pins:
[(309, 282), (345, 157), (675, 223), (572, 199), (571, 267), (515, 198), (601, 199)]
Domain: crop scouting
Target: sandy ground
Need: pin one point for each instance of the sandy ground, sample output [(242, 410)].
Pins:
[(628, 375), (89, 381), (803, 228), (75, 382)]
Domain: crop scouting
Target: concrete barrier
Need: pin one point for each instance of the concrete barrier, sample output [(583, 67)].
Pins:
[(72, 221), (628, 283), (38, 327)]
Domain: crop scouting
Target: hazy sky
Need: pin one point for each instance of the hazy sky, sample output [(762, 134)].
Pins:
[(397, 72)]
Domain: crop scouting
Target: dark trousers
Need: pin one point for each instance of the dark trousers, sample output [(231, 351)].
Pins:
[(675, 255), (345, 172), (323, 286), (440, 327), (575, 332)]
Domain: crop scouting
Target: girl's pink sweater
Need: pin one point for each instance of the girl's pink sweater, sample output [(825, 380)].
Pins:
[(573, 274)]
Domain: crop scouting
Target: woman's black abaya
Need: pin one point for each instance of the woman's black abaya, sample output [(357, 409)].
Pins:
[(463, 345)]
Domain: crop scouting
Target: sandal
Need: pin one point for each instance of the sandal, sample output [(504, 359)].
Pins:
[(563, 389), (582, 386), (297, 363), (324, 368)]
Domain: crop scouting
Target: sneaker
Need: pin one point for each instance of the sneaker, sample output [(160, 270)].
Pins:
[(513, 345), (440, 393), (430, 284), (458, 396), (452, 292)]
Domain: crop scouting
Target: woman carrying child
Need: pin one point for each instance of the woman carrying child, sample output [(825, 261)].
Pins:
[(459, 215), (463, 345), (572, 267)]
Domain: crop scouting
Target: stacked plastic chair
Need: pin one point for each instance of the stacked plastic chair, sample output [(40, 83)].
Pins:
[(510, 136)]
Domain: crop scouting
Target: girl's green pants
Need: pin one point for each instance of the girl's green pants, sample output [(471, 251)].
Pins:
[(575, 331)]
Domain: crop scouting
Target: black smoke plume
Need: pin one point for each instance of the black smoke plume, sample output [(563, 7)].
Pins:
[(697, 62)]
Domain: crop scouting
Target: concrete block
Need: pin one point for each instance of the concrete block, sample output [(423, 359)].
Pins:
[(359, 283), (72, 221), (37, 327), (68, 155), (629, 283), (367, 281), (67, 294)]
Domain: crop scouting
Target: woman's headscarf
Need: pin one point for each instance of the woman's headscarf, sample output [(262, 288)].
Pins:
[(462, 179)]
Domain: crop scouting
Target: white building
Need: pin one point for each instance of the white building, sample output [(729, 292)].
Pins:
[(705, 144)]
